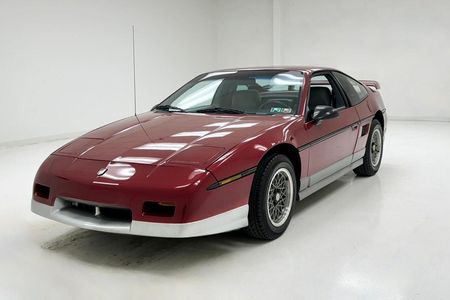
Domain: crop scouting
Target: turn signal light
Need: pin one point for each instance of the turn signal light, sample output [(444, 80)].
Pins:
[(231, 178)]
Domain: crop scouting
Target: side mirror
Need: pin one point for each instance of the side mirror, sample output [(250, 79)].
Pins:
[(323, 112)]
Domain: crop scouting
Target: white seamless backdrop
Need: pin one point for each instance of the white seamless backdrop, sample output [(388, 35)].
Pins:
[(65, 66), (404, 44)]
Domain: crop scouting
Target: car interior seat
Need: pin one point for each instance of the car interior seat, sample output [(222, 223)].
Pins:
[(247, 100), (318, 95)]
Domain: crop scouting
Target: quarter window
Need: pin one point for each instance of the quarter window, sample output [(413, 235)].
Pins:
[(354, 90)]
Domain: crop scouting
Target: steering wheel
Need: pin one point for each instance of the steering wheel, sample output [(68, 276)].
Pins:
[(271, 103)]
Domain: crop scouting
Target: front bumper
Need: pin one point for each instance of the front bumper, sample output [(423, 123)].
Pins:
[(230, 220)]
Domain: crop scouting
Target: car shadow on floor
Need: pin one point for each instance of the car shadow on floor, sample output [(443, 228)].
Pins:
[(160, 255), (164, 255)]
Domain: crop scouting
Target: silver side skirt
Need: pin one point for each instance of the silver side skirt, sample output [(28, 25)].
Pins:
[(316, 185)]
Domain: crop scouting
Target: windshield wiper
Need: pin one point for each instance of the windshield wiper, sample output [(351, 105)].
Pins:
[(220, 110), (167, 107)]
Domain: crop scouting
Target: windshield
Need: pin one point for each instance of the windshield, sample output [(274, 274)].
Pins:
[(249, 92)]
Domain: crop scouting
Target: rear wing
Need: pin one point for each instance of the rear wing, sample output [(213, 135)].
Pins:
[(372, 84)]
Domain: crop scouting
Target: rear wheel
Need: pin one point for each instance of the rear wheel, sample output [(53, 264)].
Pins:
[(374, 151), (272, 198)]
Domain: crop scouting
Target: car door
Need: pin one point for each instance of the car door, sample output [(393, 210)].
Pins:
[(331, 142), (356, 94)]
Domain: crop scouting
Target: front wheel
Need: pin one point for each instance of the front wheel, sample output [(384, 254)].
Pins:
[(374, 151), (272, 198)]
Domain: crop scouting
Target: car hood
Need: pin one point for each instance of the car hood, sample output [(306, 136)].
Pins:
[(171, 138)]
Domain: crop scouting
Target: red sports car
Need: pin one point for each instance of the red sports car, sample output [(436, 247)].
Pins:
[(230, 149)]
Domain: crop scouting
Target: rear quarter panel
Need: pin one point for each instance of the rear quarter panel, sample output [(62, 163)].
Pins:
[(366, 111)]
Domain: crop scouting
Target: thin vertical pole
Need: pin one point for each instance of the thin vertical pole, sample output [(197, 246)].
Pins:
[(276, 32), (134, 73)]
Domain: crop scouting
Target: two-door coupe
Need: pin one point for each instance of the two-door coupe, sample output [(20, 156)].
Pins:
[(230, 149)]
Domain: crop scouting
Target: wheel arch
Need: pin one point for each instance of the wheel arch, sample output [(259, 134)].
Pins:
[(380, 118), (292, 153)]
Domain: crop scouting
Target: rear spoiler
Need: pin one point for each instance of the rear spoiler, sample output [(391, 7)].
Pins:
[(372, 84)]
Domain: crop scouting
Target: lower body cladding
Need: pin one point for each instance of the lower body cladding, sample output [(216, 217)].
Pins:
[(158, 219), (94, 216), (313, 183)]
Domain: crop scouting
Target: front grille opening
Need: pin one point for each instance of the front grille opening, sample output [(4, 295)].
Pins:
[(41, 191), (116, 213), (109, 213), (159, 209), (90, 209)]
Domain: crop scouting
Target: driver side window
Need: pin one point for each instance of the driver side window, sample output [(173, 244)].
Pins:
[(323, 91)]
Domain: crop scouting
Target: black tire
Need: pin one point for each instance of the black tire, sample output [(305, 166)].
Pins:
[(369, 168), (260, 224)]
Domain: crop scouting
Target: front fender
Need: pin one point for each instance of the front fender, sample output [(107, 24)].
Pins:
[(250, 152)]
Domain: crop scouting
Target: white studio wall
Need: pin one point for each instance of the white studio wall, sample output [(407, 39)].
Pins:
[(66, 66), (403, 44), (63, 65), (175, 41), (244, 33)]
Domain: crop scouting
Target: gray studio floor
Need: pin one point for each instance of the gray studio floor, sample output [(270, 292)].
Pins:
[(385, 237)]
